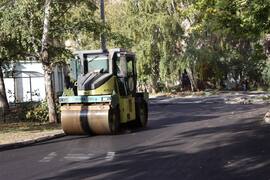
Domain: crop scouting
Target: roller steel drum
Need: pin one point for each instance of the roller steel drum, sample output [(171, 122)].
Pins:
[(82, 119)]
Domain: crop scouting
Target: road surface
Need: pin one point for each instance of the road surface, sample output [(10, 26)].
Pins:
[(184, 140)]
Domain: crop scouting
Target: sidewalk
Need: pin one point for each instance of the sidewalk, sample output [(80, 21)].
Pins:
[(227, 97), (16, 135)]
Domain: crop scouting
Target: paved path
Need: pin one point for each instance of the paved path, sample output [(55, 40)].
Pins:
[(183, 141)]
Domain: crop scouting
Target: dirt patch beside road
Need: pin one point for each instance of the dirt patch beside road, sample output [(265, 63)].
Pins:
[(25, 131)]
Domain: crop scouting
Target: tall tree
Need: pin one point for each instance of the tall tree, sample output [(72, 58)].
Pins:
[(9, 52), (51, 12), (10, 47), (224, 38), (45, 25), (155, 28), (46, 62), (212, 39)]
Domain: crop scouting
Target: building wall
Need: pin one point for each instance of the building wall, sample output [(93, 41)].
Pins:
[(9, 84), (18, 88), (23, 83)]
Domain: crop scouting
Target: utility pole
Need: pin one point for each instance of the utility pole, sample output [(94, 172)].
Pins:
[(102, 16)]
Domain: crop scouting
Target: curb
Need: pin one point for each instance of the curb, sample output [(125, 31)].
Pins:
[(5, 147)]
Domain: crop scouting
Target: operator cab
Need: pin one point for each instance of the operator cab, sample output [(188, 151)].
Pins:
[(91, 69), (125, 70)]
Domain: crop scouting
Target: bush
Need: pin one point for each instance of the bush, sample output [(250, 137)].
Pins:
[(39, 113)]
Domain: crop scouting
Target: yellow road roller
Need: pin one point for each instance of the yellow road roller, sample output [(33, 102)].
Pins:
[(105, 96)]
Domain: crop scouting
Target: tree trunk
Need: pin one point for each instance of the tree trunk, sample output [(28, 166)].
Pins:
[(193, 81), (3, 97), (155, 60), (47, 64), (155, 66), (155, 75), (50, 94)]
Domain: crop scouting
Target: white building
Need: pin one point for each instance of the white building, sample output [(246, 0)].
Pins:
[(25, 82)]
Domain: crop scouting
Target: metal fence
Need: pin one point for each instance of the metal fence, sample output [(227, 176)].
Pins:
[(11, 115), (2, 115)]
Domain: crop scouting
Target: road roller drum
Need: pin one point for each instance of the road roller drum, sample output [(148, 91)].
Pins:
[(83, 119)]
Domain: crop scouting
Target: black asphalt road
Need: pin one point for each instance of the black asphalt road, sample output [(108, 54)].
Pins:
[(183, 141)]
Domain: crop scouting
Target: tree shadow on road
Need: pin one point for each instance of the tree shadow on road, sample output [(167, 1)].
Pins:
[(230, 151), (174, 115), (164, 116)]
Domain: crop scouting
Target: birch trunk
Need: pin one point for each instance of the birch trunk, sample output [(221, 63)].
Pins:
[(50, 97), (47, 64), (193, 81)]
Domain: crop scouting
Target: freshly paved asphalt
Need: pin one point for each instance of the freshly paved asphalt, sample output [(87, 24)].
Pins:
[(209, 140)]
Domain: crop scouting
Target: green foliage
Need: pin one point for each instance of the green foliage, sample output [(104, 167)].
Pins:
[(38, 112), (23, 20), (39, 29), (153, 28), (224, 40), (215, 40)]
